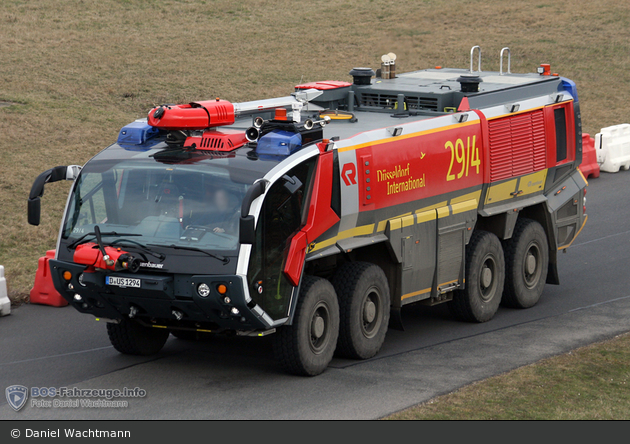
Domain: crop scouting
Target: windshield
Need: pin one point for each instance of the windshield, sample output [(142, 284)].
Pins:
[(184, 205)]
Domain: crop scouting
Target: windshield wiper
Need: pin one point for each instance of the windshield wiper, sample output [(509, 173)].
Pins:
[(140, 246), (103, 233), (223, 259)]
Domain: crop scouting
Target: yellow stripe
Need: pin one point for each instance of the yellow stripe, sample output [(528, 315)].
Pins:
[(461, 207), (503, 191), (448, 283), (426, 290), (443, 212), (406, 136), (407, 221), (395, 224), (576, 234), (383, 224), (415, 293), (431, 207), (474, 195), (539, 176), (582, 174), (357, 231), (425, 216), (500, 191)]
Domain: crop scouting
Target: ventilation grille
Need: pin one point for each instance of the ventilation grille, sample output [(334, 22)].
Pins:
[(222, 112), (517, 145), (422, 103), (216, 143), (377, 100)]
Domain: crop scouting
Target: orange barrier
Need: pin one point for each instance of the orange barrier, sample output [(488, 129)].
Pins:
[(43, 292), (589, 165)]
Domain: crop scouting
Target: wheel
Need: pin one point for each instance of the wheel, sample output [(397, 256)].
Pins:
[(364, 305), (485, 274), (307, 346), (131, 338), (526, 262)]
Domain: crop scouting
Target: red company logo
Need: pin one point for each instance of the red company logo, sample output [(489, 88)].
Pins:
[(349, 174)]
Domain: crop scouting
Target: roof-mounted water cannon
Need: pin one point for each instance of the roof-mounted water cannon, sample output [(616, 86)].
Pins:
[(193, 116), (212, 113)]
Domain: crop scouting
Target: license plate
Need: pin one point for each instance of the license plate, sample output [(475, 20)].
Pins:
[(122, 282)]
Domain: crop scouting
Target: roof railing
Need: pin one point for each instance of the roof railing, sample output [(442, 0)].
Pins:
[(508, 63), (472, 54)]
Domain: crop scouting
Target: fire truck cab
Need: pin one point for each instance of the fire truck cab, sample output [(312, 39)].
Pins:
[(318, 216)]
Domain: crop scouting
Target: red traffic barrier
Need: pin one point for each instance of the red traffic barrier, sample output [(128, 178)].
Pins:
[(43, 292), (589, 165)]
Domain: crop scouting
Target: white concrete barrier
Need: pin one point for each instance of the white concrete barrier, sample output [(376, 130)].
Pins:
[(613, 148), (5, 302)]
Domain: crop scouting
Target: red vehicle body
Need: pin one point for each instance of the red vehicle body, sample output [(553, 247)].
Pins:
[(347, 201)]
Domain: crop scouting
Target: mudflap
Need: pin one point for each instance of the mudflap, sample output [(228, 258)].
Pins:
[(395, 319)]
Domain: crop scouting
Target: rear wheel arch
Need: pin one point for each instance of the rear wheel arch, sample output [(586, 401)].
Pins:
[(541, 214), (378, 254), (501, 224)]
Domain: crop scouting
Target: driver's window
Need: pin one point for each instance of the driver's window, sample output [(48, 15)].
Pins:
[(91, 207), (281, 217)]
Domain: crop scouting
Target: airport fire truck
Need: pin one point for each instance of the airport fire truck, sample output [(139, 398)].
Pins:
[(317, 216)]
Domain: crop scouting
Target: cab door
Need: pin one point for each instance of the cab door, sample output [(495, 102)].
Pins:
[(565, 186), (282, 215)]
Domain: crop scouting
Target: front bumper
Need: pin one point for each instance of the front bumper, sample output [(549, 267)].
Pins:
[(170, 300)]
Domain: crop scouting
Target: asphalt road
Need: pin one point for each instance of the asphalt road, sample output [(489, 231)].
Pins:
[(236, 378)]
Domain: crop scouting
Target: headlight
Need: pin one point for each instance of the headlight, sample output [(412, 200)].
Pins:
[(203, 290)]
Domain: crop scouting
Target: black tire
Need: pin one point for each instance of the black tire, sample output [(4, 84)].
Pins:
[(485, 275), (526, 262), (307, 346), (131, 338), (364, 307)]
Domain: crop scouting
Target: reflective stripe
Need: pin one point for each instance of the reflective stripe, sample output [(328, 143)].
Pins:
[(358, 231)]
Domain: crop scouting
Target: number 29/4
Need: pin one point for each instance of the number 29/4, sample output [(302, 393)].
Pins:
[(465, 155)]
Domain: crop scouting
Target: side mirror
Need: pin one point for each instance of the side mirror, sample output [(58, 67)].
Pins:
[(247, 230), (247, 227), (37, 190), (34, 211)]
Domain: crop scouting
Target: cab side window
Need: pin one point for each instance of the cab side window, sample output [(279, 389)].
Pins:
[(560, 119)]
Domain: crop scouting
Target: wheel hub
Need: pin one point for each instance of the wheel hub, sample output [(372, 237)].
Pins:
[(317, 326), (530, 264), (369, 311), (486, 277)]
